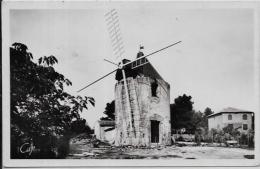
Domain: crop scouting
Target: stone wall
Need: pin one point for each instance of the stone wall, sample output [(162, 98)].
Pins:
[(133, 125)]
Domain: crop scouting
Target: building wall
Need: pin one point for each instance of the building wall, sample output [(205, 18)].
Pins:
[(221, 121), (97, 130), (237, 121), (215, 122), (144, 108), (103, 135)]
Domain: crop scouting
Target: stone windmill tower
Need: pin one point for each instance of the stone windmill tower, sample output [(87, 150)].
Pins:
[(142, 96), (147, 121)]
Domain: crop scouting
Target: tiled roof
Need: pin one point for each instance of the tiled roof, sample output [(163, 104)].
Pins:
[(132, 71), (230, 110)]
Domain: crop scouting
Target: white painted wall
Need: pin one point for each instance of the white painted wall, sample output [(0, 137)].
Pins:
[(215, 122), (102, 135)]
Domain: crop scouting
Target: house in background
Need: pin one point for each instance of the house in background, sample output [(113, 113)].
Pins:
[(104, 130), (242, 120)]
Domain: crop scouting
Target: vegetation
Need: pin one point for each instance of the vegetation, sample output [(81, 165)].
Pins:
[(183, 115), (228, 133), (42, 112), (109, 111)]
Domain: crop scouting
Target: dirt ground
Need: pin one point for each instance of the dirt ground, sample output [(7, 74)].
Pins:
[(83, 150)]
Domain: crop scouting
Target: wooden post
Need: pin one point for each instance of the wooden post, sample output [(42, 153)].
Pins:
[(128, 103)]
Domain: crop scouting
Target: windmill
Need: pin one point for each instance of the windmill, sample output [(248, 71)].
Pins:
[(129, 118)]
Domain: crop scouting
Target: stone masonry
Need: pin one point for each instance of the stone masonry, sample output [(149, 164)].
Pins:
[(144, 108)]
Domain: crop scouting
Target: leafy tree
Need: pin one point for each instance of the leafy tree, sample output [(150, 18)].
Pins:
[(181, 113), (208, 112), (197, 120), (200, 120), (109, 111), (41, 110)]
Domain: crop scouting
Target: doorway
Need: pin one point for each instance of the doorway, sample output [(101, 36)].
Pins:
[(155, 131)]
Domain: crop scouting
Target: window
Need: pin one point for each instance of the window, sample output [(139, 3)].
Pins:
[(244, 117), (138, 62), (245, 127), (154, 87), (229, 117), (134, 64), (142, 60)]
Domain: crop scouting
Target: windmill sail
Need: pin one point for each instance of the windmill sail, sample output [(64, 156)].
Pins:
[(113, 27), (130, 63), (97, 80)]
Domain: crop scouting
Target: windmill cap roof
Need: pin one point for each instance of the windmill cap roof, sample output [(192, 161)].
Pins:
[(230, 110)]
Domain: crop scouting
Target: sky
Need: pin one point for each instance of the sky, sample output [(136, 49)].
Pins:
[(214, 63)]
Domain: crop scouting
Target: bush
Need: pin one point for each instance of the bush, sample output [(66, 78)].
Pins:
[(63, 147), (180, 138), (243, 140), (251, 143)]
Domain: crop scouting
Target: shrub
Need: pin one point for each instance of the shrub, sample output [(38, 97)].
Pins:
[(243, 140), (180, 139)]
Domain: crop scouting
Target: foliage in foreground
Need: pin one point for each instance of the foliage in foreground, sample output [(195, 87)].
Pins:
[(41, 110)]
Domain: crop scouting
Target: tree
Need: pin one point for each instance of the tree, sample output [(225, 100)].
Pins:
[(41, 110), (200, 120), (181, 113), (80, 126), (208, 112), (231, 130), (197, 120), (109, 111)]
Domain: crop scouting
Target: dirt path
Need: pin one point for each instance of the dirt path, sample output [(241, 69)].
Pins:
[(84, 151)]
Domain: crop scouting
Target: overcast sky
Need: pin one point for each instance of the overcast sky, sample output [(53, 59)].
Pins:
[(214, 63)]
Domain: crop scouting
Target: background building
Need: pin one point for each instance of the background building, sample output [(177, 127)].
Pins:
[(242, 120), (104, 130)]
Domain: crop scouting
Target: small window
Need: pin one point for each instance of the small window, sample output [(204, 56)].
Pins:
[(244, 117), (245, 127), (142, 60), (154, 87), (134, 64), (229, 117), (138, 62)]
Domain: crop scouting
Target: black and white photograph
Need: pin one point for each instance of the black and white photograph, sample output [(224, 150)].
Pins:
[(130, 83)]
